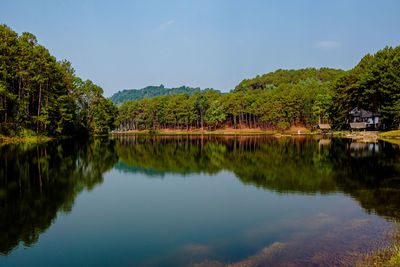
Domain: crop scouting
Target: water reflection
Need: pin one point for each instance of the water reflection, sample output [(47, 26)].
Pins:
[(38, 181), (369, 172)]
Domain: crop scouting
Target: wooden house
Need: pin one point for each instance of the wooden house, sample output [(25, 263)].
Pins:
[(360, 119)]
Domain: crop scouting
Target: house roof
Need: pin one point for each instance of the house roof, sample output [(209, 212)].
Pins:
[(324, 126), (359, 112)]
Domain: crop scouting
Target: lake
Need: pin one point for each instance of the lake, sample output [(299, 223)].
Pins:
[(196, 201)]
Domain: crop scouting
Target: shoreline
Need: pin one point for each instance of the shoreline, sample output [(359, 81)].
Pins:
[(362, 136), (4, 140), (366, 136), (215, 132)]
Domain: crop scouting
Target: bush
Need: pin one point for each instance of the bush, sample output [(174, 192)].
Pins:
[(12, 130), (23, 133)]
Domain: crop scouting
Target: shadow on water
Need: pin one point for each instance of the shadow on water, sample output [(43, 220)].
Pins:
[(38, 181)]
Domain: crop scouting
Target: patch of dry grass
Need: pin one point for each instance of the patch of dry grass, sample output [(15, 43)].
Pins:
[(388, 256)]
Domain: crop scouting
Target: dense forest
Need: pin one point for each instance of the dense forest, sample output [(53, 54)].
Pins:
[(273, 101), (40, 95), (279, 100), (149, 92)]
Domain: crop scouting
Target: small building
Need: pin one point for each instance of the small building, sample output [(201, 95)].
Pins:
[(325, 127), (360, 119)]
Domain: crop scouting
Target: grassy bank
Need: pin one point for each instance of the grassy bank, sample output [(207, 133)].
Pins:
[(27, 139), (13, 134), (390, 134)]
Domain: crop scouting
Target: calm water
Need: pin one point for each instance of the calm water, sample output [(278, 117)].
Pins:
[(180, 201)]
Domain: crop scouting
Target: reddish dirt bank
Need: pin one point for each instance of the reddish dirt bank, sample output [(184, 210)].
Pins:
[(224, 130)]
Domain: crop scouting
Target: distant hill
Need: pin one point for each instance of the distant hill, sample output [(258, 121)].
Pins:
[(149, 92)]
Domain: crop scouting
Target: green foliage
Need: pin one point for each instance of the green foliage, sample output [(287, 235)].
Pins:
[(374, 84), (104, 114), (281, 99), (279, 77), (173, 111), (322, 107), (215, 114), (149, 92), (15, 131), (278, 107), (39, 93)]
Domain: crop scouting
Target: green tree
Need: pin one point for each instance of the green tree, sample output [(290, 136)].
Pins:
[(215, 114)]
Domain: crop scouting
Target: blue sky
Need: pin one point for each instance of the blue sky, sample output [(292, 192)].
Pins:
[(132, 44)]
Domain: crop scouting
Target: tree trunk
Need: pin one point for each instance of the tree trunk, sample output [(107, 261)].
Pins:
[(38, 111), (5, 97), (250, 119), (19, 87)]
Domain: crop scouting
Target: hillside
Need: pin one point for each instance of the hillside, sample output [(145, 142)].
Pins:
[(280, 77), (149, 92), (280, 100)]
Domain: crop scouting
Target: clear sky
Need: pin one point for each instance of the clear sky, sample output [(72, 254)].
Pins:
[(207, 43)]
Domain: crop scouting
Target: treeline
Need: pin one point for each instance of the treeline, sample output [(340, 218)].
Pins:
[(41, 95), (284, 99), (279, 77), (280, 100), (149, 92)]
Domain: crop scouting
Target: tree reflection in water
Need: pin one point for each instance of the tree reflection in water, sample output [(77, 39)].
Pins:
[(368, 172), (38, 181)]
